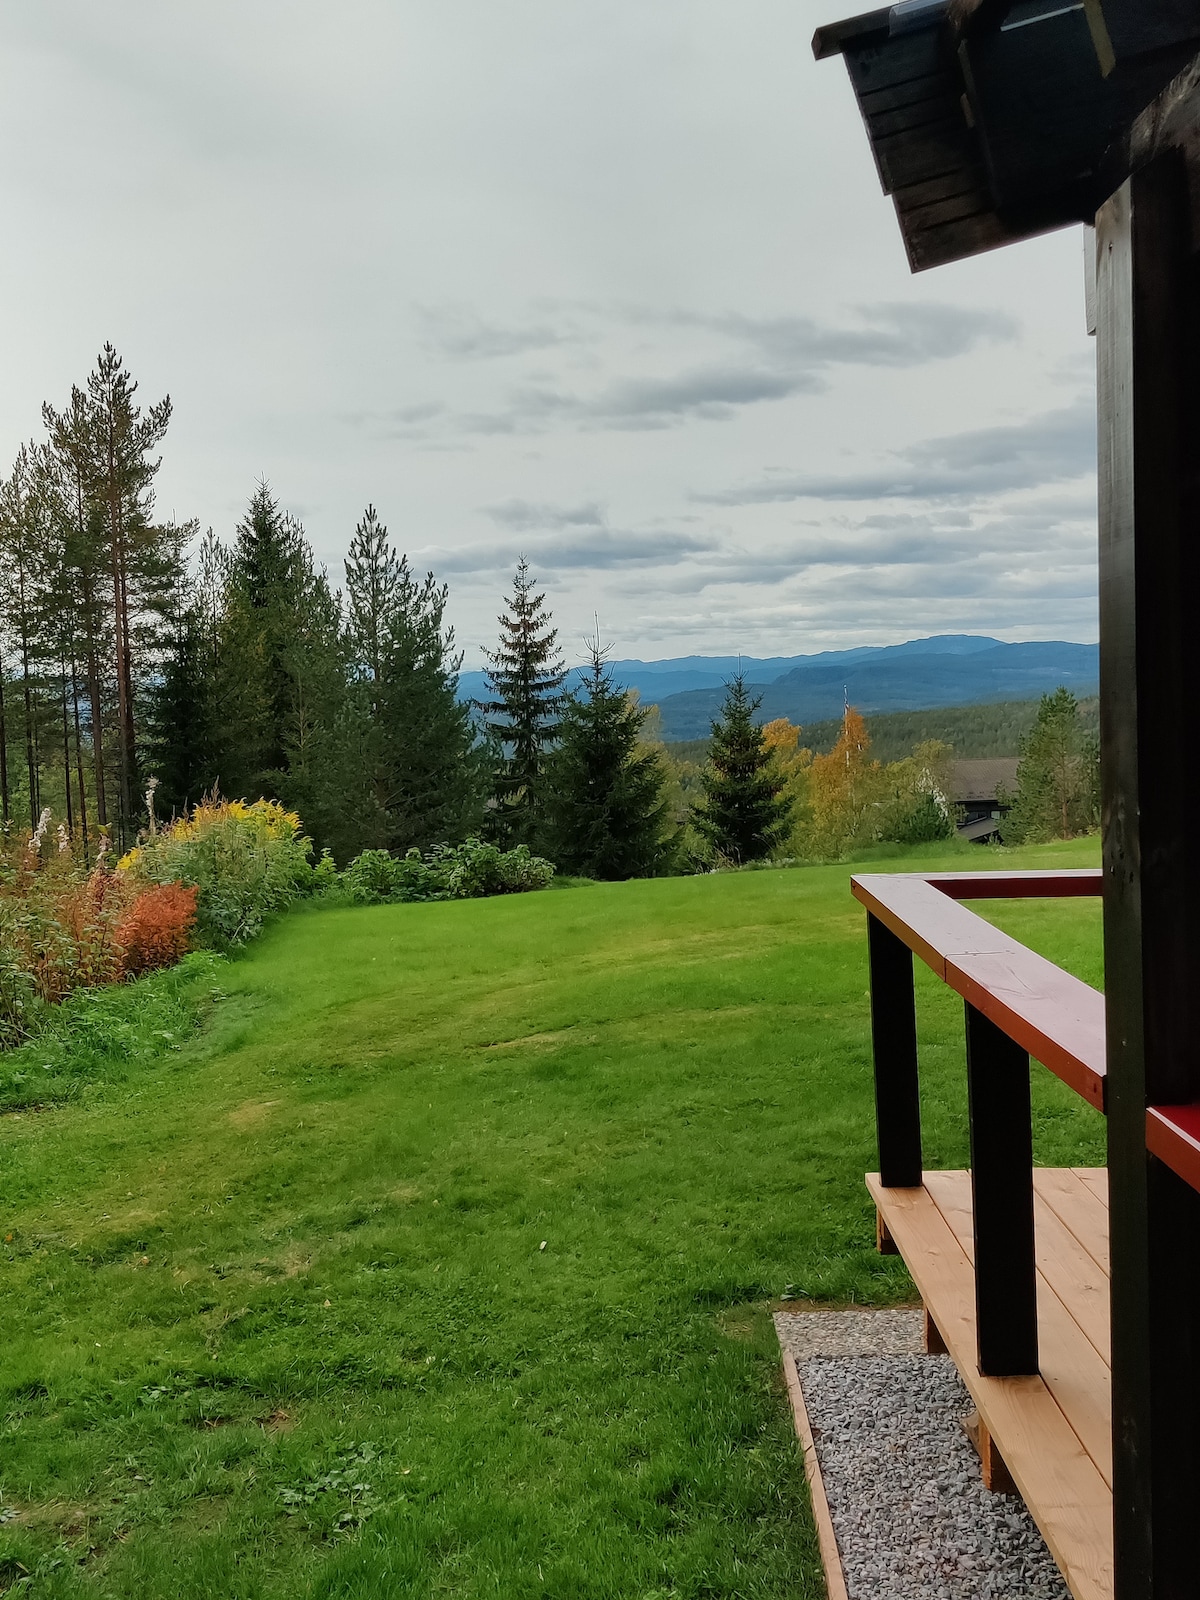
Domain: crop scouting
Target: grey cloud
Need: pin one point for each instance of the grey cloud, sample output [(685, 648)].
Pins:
[(532, 514), (781, 357), (592, 548), (463, 335), (1055, 447), (893, 335)]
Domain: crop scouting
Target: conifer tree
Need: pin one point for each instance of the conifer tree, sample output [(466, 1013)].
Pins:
[(526, 675), (606, 804), (278, 653), (122, 473), (404, 742), (183, 715), (1058, 777), (743, 815)]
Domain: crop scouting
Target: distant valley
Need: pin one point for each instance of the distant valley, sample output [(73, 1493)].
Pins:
[(923, 674)]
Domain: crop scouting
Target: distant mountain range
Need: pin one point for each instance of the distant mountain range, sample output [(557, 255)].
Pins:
[(948, 670)]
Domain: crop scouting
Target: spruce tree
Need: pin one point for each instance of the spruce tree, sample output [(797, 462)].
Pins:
[(605, 800), (184, 743), (1058, 777), (404, 744), (743, 815), (279, 676), (526, 675)]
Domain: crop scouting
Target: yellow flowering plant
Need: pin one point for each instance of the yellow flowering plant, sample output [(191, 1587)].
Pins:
[(246, 858)]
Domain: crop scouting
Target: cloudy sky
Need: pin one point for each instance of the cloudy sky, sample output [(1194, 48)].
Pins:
[(605, 283)]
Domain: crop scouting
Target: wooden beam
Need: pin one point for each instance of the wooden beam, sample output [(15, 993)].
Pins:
[(1123, 30), (1149, 396)]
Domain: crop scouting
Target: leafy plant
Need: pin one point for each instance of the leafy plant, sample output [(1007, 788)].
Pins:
[(448, 872), (343, 1484), (97, 1034), (245, 860), (154, 931)]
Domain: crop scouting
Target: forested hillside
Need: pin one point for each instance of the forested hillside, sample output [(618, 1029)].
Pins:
[(900, 679), (975, 732)]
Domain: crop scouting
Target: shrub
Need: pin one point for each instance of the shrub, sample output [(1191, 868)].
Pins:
[(57, 934), (155, 930), (97, 1035), (474, 869), (449, 872), (245, 861)]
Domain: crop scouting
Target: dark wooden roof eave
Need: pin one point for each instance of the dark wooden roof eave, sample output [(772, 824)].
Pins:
[(985, 135)]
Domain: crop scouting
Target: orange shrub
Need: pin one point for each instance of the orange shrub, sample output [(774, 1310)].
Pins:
[(155, 929)]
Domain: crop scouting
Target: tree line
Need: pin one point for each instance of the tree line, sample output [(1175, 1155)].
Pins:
[(144, 665)]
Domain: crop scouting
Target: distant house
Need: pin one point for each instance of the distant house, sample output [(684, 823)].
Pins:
[(977, 787)]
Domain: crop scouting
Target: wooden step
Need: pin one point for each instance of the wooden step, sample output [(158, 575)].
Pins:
[(1054, 1430)]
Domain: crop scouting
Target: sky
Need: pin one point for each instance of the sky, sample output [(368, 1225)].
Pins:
[(605, 284)]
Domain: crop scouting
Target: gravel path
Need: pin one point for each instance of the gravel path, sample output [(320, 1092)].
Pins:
[(912, 1518)]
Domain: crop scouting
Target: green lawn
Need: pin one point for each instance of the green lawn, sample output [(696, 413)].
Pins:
[(441, 1263)]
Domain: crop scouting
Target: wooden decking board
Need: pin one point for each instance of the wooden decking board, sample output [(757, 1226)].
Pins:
[(1071, 1367), (1096, 1179), (1062, 1484), (1078, 1206)]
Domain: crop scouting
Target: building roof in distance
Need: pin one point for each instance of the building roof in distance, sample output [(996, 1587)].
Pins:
[(973, 782)]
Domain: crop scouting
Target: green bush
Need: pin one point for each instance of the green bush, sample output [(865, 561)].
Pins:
[(449, 872), (246, 860), (97, 1034)]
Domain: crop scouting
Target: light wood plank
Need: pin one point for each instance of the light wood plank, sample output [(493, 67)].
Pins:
[(1096, 1179), (831, 1558), (1078, 1206), (1064, 1490), (1072, 1271), (1073, 1370)]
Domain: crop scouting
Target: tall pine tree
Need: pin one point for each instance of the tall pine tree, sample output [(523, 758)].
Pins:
[(526, 674), (1058, 778), (404, 743), (743, 815), (606, 806), (279, 671)]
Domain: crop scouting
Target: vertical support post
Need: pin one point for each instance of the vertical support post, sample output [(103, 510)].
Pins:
[(894, 1043), (1002, 1192), (1149, 392)]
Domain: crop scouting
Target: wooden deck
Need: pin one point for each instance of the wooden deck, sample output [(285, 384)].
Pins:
[(1054, 1431)]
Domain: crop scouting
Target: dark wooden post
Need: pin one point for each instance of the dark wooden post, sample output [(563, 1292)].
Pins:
[(894, 1044), (1149, 392), (1002, 1196)]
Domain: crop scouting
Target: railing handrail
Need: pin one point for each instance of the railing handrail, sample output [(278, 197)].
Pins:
[(1057, 1018)]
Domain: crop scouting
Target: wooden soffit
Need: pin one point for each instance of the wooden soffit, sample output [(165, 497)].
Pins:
[(990, 120)]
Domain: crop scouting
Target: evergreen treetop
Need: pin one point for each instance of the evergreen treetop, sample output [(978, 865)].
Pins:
[(1058, 777), (606, 806), (743, 815), (526, 674)]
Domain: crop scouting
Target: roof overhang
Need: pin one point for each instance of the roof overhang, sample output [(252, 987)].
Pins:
[(991, 120)]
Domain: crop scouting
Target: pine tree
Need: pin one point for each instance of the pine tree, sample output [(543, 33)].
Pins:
[(404, 744), (526, 675), (606, 804), (743, 815), (1058, 776), (278, 652), (122, 477)]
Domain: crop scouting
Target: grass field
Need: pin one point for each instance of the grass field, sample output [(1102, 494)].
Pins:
[(441, 1263)]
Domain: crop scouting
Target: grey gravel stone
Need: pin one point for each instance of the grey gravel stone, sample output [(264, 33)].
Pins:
[(851, 1333), (912, 1518)]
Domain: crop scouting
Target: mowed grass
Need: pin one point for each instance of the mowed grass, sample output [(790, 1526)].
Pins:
[(442, 1263)]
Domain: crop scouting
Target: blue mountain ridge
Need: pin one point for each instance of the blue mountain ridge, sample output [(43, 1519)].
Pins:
[(655, 681), (918, 681)]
